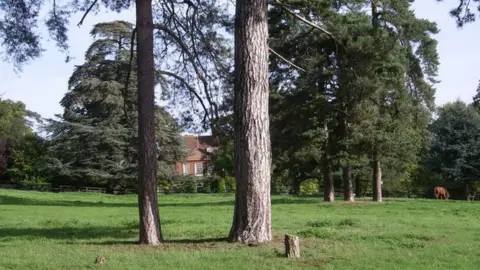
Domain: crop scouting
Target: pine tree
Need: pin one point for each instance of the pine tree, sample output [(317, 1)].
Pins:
[(371, 80), (95, 141), (455, 151)]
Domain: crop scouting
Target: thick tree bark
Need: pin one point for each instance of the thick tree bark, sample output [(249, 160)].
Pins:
[(347, 185), (252, 217), (150, 232), (377, 181), (328, 190)]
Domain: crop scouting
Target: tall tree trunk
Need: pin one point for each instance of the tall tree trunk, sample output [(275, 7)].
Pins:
[(347, 185), (252, 216), (328, 191), (358, 186), (150, 232), (347, 179), (296, 186), (377, 180)]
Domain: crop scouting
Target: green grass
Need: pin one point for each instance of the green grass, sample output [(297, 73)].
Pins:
[(69, 230)]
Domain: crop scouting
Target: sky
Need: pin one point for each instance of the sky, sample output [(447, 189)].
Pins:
[(43, 82)]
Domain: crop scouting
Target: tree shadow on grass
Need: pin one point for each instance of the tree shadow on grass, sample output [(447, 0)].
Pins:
[(92, 235), (67, 233), (197, 241), (12, 200)]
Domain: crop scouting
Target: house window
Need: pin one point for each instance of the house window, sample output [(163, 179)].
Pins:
[(185, 168), (199, 169)]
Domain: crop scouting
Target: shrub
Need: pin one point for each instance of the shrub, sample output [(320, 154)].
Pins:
[(189, 186), (309, 187), (230, 183), (207, 187), (166, 186), (209, 183), (221, 185)]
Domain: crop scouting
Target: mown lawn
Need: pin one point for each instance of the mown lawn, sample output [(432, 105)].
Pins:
[(69, 230)]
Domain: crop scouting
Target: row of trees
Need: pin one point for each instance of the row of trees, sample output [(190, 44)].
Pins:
[(352, 94), (348, 90)]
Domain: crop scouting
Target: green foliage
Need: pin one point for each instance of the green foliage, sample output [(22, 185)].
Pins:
[(20, 148), (222, 159), (95, 141), (455, 151), (309, 187), (13, 121), (207, 187), (369, 88), (26, 160), (166, 186), (189, 186), (184, 183), (221, 185), (230, 183)]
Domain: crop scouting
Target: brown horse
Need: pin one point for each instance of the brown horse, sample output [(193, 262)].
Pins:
[(441, 193)]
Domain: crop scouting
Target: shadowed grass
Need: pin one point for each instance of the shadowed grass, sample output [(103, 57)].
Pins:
[(69, 230)]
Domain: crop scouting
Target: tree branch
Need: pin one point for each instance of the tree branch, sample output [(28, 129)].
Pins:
[(191, 58), (127, 82), (285, 7), (190, 88), (286, 60), (86, 12)]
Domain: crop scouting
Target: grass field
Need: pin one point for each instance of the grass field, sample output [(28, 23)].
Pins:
[(69, 230)]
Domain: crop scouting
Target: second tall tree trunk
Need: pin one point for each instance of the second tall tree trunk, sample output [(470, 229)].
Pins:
[(377, 180), (150, 232), (328, 190), (252, 217), (347, 184)]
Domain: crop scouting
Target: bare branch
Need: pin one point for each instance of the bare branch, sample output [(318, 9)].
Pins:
[(86, 12), (132, 46), (127, 82), (284, 59), (285, 7), (190, 88), (191, 58)]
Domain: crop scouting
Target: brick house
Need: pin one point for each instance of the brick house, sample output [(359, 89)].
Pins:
[(197, 156)]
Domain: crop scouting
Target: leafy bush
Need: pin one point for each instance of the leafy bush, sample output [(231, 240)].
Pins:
[(207, 187), (230, 183), (166, 186), (189, 186), (309, 187), (210, 183), (221, 185)]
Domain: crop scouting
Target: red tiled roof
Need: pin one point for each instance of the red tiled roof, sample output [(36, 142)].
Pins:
[(197, 146)]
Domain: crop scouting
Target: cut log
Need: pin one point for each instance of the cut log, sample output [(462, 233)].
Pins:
[(292, 246)]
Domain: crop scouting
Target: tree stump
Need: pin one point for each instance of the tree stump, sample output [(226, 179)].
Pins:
[(292, 246)]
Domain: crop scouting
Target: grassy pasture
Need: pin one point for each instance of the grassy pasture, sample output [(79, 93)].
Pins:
[(69, 230)]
